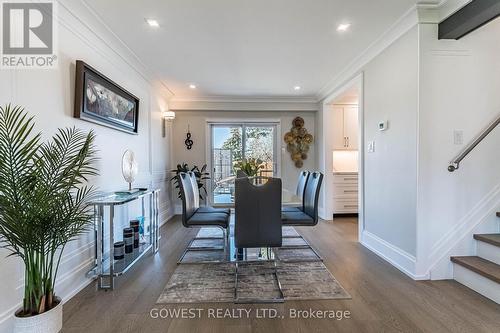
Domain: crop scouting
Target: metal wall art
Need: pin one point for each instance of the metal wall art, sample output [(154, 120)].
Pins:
[(298, 142), (188, 142)]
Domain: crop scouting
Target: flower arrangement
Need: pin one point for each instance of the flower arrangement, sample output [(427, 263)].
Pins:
[(249, 166)]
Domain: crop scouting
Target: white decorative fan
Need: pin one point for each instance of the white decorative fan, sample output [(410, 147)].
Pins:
[(130, 167)]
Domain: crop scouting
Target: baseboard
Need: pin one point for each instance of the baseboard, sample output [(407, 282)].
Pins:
[(167, 215), (397, 257), (7, 318), (178, 209)]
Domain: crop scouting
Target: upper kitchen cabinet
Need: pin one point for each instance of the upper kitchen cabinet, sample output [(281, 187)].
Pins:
[(345, 120)]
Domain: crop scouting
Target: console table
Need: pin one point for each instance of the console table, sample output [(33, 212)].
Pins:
[(105, 265)]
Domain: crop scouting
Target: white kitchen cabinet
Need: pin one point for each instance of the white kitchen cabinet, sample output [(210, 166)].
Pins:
[(345, 127), (345, 193)]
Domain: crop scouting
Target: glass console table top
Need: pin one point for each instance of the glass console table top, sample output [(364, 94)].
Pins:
[(119, 198)]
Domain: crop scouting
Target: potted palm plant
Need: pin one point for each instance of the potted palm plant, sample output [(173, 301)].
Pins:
[(43, 206), (201, 176)]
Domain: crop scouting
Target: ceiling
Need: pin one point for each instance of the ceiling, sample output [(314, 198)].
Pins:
[(248, 48)]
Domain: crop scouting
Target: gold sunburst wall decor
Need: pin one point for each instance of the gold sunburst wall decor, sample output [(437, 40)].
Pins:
[(298, 142)]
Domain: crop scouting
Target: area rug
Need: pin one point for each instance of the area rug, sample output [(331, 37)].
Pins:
[(215, 282)]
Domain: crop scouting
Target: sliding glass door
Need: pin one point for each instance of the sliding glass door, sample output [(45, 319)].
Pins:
[(230, 143)]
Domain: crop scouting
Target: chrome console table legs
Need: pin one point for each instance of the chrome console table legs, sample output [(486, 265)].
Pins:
[(106, 269)]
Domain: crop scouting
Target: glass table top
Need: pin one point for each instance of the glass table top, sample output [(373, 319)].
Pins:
[(288, 199), (120, 197)]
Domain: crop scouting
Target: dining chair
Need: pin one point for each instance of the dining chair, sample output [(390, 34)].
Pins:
[(301, 186), (309, 215), (241, 174), (196, 195), (191, 218), (258, 223)]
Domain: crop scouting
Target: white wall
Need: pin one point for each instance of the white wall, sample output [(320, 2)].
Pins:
[(391, 94), (389, 89), (48, 94), (197, 121), (417, 214), (459, 86)]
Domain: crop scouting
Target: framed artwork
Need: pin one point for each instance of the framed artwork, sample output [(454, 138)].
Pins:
[(101, 101)]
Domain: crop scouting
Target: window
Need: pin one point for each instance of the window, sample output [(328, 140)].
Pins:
[(232, 142)]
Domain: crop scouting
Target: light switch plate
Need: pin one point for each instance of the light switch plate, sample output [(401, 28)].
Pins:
[(371, 146)]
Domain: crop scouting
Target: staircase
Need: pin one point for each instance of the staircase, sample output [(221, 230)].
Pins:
[(481, 272)]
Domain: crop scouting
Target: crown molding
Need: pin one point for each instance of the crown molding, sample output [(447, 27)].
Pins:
[(93, 23), (244, 103), (407, 21), (424, 12), (449, 7)]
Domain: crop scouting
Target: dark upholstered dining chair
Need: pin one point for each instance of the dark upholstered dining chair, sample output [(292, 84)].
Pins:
[(257, 221), (301, 186), (191, 218), (241, 174), (196, 194), (309, 215)]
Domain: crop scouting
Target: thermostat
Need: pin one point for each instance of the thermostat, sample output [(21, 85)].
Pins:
[(382, 126)]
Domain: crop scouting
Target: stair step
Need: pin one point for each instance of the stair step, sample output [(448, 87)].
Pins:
[(481, 266), (493, 239)]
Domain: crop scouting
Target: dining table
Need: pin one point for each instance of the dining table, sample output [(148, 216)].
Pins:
[(288, 199)]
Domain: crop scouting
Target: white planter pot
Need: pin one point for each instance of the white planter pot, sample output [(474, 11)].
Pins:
[(47, 322)]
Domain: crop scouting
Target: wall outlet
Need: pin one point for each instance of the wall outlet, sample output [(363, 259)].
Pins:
[(458, 137), (371, 146)]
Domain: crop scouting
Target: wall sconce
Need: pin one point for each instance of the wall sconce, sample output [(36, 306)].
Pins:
[(167, 116)]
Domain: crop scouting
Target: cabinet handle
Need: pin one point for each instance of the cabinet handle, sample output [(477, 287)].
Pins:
[(350, 178), (347, 141), (350, 191), (350, 206)]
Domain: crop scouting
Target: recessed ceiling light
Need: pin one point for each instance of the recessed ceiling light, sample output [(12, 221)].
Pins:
[(296, 88), (343, 27), (192, 86), (153, 23)]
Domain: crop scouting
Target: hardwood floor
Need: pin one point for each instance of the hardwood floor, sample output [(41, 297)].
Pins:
[(383, 299)]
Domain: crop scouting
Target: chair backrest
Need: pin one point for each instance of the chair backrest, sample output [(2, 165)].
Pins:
[(311, 195), (187, 197), (257, 214), (301, 185), (241, 174), (196, 189)]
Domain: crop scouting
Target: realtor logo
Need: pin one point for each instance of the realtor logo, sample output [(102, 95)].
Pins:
[(28, 34)]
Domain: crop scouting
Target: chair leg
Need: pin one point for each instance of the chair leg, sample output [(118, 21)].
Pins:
[(224, 248), (236, 281), (228, 243), (237, 300), (276, 274), (306, 246)]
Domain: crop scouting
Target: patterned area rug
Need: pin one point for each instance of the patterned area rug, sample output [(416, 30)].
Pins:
[(215, 281)]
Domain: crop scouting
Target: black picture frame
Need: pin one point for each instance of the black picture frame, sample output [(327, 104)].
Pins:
[(100, 100)]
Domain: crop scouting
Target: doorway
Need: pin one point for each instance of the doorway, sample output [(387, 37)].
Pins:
[(233, 142), (342, 152)]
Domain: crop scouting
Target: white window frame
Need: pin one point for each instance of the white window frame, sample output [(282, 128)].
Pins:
[(276, 123)]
